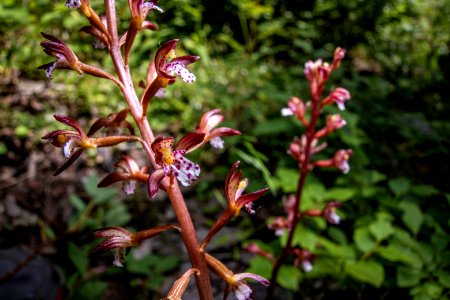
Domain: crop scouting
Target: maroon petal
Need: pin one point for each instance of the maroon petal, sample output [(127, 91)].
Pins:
[(190, 140), (154, 181), (186, 60), (223, 131), (69, 162), (112, 178), (70, 122), (247, 198), (162, 55)]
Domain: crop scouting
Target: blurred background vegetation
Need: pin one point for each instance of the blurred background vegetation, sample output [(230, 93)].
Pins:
[(394, 238)]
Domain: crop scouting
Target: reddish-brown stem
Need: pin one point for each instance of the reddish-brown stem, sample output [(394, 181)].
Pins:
[(188, 232), (304, 171)]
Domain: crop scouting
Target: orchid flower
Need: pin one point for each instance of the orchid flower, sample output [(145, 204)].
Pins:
[(208, 124), (333, 123), (167, 66), (128, 172), (173, 162), (113, 122), (139, 11), (74, 142), (234, 187), (119, 239), (235, 282), (66, 59), (339, 160), (303, 258), (338, 96)]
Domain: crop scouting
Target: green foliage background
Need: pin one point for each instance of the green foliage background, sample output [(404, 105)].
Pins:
[(395, 233)]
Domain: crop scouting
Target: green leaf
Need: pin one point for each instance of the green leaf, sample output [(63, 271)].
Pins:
[(408, 277), (79, 257), (339, 194), (381, 229), (366, 271), (399, 253), (92, 289), (305, 238), (273, 127), (424, 190), (399, 186), (117, 215), (429, 290), (289, 277), (152, 263), (364, 240), (77, 202), (105, 195), (286, 180), (444, 278), (261, 266), (412, 216)]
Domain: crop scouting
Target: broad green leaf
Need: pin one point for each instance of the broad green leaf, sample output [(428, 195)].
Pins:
[(286, 180), (105, 195), (412, 216), (429, 290), (444, 278), (79, 257), (152, 263), (399, 186), (339, 194), (332, 249), (366, 271), (77, 202), (289, 277), (408, 277), (117, 215), (381, 229), (261, 266), (424, 190), (363, 239), (399, 253), (90, 290), (305, 238)]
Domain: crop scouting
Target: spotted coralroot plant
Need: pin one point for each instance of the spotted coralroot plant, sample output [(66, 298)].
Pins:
[(168, 162), (302, 149)]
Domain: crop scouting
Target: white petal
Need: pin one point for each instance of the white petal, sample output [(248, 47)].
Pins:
[(184, 170), (217, 142), (286, 112)]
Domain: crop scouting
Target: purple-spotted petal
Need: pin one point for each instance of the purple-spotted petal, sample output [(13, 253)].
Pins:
[(184, 170), (73, 3)]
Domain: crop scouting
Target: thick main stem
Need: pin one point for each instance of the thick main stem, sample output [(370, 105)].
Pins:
[(304, 171), (188, 232)]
